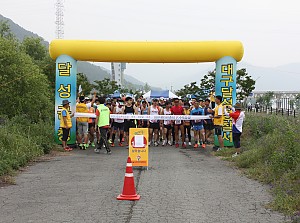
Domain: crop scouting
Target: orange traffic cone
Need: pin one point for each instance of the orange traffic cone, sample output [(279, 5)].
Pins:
[(129, 188)]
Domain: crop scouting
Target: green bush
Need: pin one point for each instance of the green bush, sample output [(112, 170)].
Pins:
[(271, 154), (22, 141)]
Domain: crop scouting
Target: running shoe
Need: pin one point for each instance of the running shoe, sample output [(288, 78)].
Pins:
[(183, 145), (203, 146), (93, 144), (109, 141), (190, 144), (123, 140), (235, 155), (155, 144), (196, 145), (67, 149), (112, 145), (120, 144), (177, 145), (164, 143), (170, 143), (81, 146), (108, 152), (219, 149)]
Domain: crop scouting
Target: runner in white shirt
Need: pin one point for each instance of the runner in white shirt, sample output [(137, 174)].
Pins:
[(154, 125), (167, 125), (118, 124)]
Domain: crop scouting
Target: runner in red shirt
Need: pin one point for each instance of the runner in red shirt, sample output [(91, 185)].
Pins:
[(178, 124)]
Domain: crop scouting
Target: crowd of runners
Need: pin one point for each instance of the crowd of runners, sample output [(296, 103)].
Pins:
[(105, 132)]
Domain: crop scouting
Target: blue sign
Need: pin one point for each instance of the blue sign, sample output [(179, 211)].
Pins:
[(226, 87), (65, 89)]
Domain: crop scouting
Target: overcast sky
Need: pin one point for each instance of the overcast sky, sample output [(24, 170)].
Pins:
[(269, 29)]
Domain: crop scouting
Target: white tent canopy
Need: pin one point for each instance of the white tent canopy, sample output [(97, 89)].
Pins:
[(158, 94)]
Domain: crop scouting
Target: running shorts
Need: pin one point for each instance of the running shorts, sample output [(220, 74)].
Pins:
[(154, 125), (218, 130), (198, 127)]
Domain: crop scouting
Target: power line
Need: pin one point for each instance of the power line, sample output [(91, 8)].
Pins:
[(59, 33)]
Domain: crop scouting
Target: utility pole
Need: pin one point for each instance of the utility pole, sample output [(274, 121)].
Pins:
[(59, 32), (171, 88)]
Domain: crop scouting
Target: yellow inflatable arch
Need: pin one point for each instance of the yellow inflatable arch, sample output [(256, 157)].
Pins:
[(68, 52), (147, 52)]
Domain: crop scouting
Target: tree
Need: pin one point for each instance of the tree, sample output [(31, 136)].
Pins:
[(191, 88), (266, 99), (5, 31), (106, 86), (244, 84), (297, 101), (208, 81), (34, 48), (24, 89), (40, 56), (86, 86)]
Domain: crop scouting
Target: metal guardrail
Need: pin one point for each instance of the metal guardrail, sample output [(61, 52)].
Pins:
[(277, 111)]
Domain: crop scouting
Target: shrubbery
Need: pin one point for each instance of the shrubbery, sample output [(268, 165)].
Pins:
[(271, 154), (26, 100), (21, 141)]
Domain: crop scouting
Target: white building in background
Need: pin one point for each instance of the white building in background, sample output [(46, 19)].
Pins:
[(117, 72)]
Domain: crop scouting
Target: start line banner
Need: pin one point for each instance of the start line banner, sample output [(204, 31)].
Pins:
[(148, 117)]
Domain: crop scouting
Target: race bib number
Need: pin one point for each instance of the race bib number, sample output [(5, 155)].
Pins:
[(177, 122)]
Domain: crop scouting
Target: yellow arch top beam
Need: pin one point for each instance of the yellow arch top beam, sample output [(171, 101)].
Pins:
[(146, 52)]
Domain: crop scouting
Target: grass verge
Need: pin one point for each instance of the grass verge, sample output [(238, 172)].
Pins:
[(21, 142), (271, 154)]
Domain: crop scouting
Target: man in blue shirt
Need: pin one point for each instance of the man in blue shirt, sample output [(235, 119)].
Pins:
[(198, 125)]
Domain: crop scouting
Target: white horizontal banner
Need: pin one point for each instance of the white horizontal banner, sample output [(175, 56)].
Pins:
[(147, 117)]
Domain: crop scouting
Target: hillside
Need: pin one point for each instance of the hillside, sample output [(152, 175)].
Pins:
[(281, 78), (93, 72)]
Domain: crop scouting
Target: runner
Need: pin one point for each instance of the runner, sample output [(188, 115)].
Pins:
[(187, 124), (167, 125), (178, 125), (129, 109), (208, 123), (91, 123), (198, 126), (82, 124), (118, 124), (162, 104), (154, 125), (238, 117), (144, 111)]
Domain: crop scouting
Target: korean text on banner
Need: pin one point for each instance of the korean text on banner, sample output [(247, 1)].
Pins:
[(65, 89), (138, 146), (226, 87)]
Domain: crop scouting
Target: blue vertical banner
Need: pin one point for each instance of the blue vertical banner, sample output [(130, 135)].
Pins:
[(65, 89), (226, 87)]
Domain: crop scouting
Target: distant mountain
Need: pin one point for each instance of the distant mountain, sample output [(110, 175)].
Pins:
[(281, 78), (93, 72), (20, 32)]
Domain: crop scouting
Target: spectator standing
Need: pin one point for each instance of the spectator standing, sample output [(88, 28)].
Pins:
[(65, 124)]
